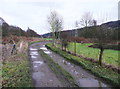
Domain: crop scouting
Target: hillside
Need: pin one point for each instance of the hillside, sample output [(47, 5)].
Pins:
[(1, 21), (111, 24), (8, 30), (69, 32)]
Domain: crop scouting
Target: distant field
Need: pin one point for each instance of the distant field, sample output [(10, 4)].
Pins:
[(47, 38), (109, 56)]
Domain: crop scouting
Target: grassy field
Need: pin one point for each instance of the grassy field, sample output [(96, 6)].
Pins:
[(16, 72), (109, 56), (47, 39), (108, 74)]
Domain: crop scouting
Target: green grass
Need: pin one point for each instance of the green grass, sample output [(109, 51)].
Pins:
[(61, 73), (109, 56), (16, 73), (30, 43), (107, 74), (0, 73), (47, 38)]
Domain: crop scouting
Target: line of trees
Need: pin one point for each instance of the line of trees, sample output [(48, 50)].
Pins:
[(100, 34)]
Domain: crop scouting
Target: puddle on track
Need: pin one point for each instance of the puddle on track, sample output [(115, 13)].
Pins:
[(34, 53), (33, 49), (91, 82), (35, 66), (38, 75), (41, 74), (43, 48), (33, 56), (38, 62), (83, 78), (47, 52)]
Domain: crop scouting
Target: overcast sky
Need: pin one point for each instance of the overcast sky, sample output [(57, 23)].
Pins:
[(33, 13)]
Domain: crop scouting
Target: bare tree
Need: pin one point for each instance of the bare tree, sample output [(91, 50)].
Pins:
[(76, 31), (76, 35), (102, 37), (56, 25), (64, 40), (93, 22), (86, 19)]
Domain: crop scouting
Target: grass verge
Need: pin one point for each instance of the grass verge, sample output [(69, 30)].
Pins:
[(47, 38), (109, 56), (16, 72), (30, 43), (61, 74), (107, 74)]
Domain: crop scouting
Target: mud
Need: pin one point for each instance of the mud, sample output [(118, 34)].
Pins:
[(83, 77), (41, 74), (44, 77)]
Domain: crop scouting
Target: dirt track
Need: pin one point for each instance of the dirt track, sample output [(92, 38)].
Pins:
[(44, 77), (41, 73)]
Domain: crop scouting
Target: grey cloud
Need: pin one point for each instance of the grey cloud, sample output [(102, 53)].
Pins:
[(119, 10), (43, 4)]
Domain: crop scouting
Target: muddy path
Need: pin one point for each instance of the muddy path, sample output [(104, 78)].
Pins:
[(41, 74), (82, 77)]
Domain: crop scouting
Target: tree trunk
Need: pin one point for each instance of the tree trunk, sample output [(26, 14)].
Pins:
[(100, 56), (62, 46), (53, 40), (75, 47), (65, 48)]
